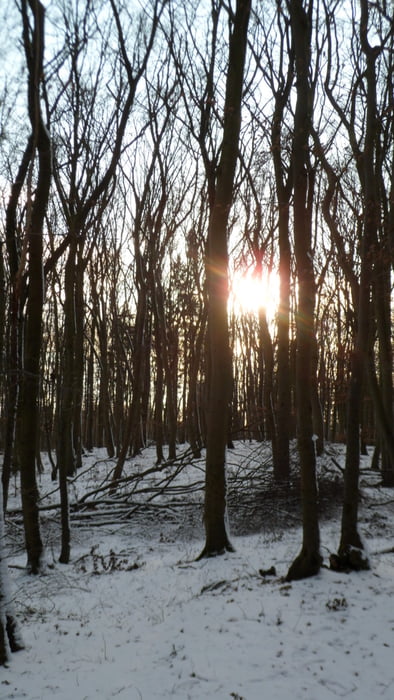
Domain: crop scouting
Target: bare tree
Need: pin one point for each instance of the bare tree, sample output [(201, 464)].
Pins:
[(363, 171), (308, 562), (351, 548), (33, 41), (217, 538)]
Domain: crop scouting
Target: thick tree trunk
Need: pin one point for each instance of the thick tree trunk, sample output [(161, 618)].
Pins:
[(308, 562), (30, 386), (220, 382)]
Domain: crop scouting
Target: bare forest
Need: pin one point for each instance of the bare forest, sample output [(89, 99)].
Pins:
[(197, 245)]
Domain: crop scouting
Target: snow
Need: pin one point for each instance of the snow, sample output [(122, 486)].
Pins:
[(134, 615)]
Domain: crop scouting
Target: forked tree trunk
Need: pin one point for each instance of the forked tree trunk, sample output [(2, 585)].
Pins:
[(30, 384)]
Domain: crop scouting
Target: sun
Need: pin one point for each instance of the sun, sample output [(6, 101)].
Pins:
[(250, 292)]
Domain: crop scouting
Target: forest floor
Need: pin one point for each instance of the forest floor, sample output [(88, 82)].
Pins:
[(135, 616)]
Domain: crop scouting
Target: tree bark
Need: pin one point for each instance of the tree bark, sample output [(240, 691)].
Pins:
[(30, 384), (220, 383), (14, 330), (283, 184), (308, 562), (10, 637), (351, 551)]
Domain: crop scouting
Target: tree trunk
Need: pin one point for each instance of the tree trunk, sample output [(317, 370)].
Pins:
[(14, 330), (10, 638), (351, 551), (267, 379), (30, 385), (317, 412), (78, 369), (217, 538), (194, 428), (132, 432), (89, 395), (383, 394), (283, 402), (283, 183), (308, 562)]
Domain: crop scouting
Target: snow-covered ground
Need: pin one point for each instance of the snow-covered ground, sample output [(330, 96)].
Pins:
[(135, 616)]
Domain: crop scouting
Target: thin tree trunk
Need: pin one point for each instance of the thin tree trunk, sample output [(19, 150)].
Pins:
[(194, 428), (78, 369), (65, 447), (283, 182), (14, 331), (351, 551), (268, 408), (383, 394), (10, 637)]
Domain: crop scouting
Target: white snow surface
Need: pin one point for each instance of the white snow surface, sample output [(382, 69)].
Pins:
[(155, 623)]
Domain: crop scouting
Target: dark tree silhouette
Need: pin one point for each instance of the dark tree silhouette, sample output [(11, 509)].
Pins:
[(217, 538), (28, 448), (308, 562)]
